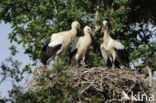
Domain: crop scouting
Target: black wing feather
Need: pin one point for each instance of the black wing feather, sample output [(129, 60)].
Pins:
[(123, 54), (45, 46), (47, 51)]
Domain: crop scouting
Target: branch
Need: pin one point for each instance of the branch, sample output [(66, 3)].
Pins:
[(97, 17)]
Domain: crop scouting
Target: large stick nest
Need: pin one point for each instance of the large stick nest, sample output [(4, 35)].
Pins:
[(103, 83)]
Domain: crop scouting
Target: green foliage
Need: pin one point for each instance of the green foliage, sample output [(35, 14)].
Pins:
[(2, 101), (13, 50), (26, 68), (10, 68)]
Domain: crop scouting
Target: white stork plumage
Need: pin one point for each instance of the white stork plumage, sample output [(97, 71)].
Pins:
[(113, 50), (108, 61), (58, 43), (80, 46)]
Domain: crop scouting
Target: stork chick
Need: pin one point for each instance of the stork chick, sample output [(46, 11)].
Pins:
[(113, 49), (58, 43), (80, 46)]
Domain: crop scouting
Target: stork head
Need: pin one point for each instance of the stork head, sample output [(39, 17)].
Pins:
[(76, 25), (87, 29), (104, 24)]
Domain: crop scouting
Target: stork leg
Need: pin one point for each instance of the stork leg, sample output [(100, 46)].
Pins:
[(113, 65), (83, 59), (60, 60), (47, 62), (128, 66), (45, 66), (113, 60), (77, 64), (55, 59), (73, 62)]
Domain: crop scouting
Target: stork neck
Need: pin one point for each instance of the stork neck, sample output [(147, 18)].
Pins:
[(88, 37), (73, 33), (106, 36), (87, 34), (74, 30)]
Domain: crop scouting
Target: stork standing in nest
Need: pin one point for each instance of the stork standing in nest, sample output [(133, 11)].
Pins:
[(80, 47), (58, 43), (113, 49)]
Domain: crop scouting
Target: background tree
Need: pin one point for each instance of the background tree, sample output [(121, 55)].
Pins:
[(130, 22), (34, 21)]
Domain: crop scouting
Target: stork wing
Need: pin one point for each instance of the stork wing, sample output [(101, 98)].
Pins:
[(104, 54), (122, 53), (105, 57), (56, 39), (116, 44), (45, 46), (47, 51)]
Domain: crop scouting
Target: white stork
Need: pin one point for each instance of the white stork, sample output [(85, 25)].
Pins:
[(58, 43), (80, 46), (113, 49)]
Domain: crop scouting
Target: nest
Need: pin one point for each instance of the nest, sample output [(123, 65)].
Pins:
[(107, 84)]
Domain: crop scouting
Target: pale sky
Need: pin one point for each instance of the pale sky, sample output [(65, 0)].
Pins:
[(5, 53)]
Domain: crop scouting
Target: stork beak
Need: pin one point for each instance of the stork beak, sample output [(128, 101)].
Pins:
[(102, 30), (92, 35), (104, 27), (79, 29), (81, 32)]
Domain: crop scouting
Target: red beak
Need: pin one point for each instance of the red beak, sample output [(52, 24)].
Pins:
[(104, 27)]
